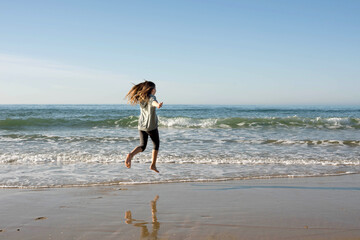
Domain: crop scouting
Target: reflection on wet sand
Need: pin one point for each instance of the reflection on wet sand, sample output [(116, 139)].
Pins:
[(143, 224)]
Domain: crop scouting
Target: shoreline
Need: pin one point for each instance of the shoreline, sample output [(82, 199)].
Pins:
[(220, 180), (275, 208)]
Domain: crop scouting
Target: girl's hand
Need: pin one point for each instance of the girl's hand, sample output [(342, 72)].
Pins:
[(156, 104)]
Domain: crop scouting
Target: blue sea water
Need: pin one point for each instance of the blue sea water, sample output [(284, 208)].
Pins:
[(84, 145)]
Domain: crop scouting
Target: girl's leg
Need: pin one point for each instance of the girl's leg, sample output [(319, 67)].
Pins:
[(143, 142), (154, 135), (131, 155), (153, 163)]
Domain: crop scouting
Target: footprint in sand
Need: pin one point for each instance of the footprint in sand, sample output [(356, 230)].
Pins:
[(40, 218)]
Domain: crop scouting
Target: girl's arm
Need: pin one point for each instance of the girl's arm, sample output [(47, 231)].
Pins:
[(156, 104)]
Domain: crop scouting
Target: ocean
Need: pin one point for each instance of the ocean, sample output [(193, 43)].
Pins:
[(86, 145)]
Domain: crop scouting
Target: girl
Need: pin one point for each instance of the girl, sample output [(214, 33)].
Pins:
[(144, 95)]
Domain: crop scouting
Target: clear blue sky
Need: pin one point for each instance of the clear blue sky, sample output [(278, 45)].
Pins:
[(199, 52)]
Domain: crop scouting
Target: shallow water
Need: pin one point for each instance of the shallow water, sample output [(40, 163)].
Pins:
[(71, 145)]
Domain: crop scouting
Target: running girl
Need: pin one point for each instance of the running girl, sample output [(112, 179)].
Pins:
[(144, 95)]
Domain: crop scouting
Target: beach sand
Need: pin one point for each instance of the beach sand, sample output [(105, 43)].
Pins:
[(284, 208)]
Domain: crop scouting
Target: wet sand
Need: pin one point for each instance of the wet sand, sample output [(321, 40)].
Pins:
[(299, 208)]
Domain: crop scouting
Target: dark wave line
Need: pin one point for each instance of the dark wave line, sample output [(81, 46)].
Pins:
[(185, 122)]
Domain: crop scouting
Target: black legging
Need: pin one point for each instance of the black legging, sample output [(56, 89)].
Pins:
[(154, 135)]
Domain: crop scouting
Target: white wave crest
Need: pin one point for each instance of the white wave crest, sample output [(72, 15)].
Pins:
[(183, 122)]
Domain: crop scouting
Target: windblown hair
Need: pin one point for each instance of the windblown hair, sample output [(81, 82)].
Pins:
[(140, 93)]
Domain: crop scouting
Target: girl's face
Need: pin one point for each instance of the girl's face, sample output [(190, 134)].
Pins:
[(153, 91)]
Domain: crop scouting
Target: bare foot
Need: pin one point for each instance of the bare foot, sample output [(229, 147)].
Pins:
[(154, 168), (128, 217), (156, 198), (153, 203), (128, 161)]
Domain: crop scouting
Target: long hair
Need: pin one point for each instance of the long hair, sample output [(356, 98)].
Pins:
[(140, 93)]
